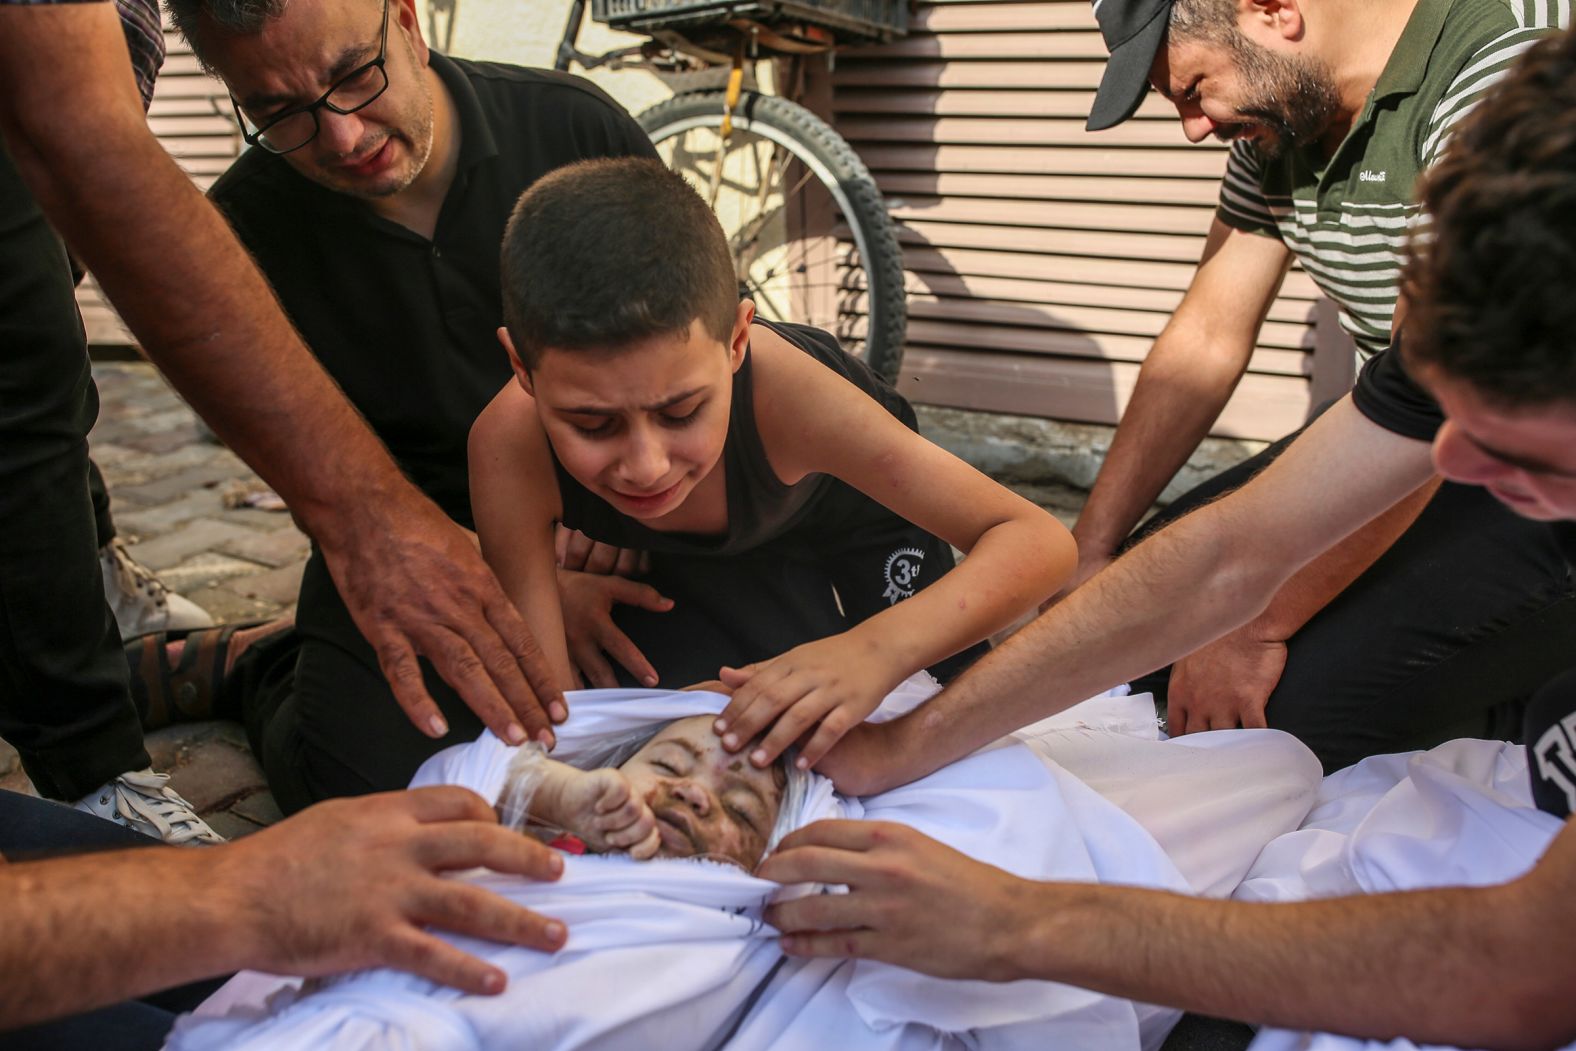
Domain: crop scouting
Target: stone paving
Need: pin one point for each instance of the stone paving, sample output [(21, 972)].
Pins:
[(169, 482)]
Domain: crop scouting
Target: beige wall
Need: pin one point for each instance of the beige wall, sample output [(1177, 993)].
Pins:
[(526, 32)]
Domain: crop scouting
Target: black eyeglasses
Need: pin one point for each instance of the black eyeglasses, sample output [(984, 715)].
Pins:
[(296, 127)]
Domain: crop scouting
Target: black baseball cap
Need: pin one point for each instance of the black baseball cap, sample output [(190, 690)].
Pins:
[(1134, 31)]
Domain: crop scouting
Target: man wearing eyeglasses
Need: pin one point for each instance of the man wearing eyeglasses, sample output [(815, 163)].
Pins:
[(80, 160), (79, 165), (374, 200)]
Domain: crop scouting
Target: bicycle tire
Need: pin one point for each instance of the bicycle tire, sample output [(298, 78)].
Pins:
[(877, 262)]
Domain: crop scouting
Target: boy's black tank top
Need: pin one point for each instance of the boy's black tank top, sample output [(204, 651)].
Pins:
[(760, 507)]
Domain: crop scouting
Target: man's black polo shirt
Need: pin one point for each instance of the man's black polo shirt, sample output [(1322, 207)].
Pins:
[(1388, 395), (407, 325)]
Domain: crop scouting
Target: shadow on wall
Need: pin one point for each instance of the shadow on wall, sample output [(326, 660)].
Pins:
[(1042, 259)]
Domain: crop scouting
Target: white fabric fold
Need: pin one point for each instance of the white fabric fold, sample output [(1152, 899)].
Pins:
[(674, 953), (1460, 814)]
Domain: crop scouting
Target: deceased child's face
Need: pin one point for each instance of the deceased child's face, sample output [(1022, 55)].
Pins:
[(706, 800)]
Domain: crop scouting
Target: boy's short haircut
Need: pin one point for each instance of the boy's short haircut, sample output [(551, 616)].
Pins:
[(603, 253), (1489, 285)]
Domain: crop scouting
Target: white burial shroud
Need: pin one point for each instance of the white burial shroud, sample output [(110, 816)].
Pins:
[(673, 954), (1457, 815)]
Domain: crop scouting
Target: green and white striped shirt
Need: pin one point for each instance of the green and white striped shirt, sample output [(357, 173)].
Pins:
[(1347, 221)]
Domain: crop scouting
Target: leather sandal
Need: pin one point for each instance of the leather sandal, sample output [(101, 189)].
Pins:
[(188, 691)]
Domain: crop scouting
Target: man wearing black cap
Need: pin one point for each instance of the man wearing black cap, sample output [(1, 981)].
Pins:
[(1433, 621), (1488, 375)]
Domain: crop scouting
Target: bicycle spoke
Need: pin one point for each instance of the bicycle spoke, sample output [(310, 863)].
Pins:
[(788, 230)]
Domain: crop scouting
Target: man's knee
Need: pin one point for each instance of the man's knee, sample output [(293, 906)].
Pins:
[(337, 730)]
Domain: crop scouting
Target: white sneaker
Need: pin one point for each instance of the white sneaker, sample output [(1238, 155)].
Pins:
[(143, 800), (141, 602)]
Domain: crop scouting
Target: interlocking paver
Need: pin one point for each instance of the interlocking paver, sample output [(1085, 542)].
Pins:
[(284, 547), (203, 534), (226, 606), (161, 518), (279, 586), (205, 570), (208, 763), (166, 482), (173, 487), (147, 467)]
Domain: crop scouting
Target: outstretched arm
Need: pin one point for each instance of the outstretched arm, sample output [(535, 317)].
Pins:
[(1478, 967), (1183, 587), (814, 421), (1186, 380), (1228, 683), (72, 122), (343, 885)]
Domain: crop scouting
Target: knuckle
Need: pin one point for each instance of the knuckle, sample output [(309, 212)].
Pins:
[(462, 660), (397, 661), (838, 722)]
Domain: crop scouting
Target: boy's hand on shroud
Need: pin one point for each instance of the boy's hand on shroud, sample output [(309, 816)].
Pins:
[(354, 883), (600, 807), (830, 685), (587, 600), (899, 882)]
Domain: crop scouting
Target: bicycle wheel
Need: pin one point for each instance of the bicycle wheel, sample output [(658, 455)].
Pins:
[(809, 231)]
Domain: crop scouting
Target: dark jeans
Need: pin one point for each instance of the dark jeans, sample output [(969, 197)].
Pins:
[(64, 703), (323, 722), (1447, 635), (98, 493), (34, 828)]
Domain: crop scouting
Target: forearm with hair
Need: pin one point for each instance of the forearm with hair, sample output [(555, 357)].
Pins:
[(61, 953), (1318, 583), (1183, 587), (184, 286), (1186, 380), (1180, 393), (1123, 624), (1463, 967)]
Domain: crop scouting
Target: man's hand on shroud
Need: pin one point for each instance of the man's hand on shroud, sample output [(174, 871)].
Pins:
[(416, 586), (354, 883), (911, 901), (1224, 685)]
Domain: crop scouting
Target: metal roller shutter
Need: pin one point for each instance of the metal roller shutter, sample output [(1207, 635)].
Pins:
[(1043, 259), (191, 116)]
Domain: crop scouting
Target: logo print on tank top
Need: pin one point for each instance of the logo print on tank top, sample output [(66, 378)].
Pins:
[(1556, 760), (903, 567)]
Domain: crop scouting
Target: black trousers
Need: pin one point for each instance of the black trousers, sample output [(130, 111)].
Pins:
[(1447, 635), (98, 493), (32, 829), (324, 723), (64, 703)]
